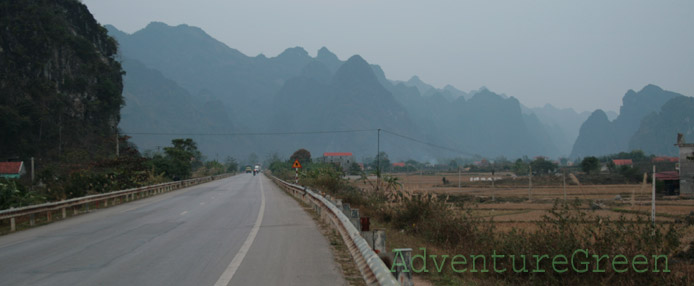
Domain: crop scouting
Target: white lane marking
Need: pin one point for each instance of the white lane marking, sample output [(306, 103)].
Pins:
[(236, 262), (184, 212)]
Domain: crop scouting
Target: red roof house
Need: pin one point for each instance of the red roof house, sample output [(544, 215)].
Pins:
[(665, 159), (11, 170), (622, 162)]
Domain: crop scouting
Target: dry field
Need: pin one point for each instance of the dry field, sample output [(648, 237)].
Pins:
[(511, 203)]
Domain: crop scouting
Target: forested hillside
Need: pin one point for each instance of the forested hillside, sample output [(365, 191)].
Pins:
[(60, 82)]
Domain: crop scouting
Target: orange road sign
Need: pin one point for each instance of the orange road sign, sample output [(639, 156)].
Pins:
[(296, 164)]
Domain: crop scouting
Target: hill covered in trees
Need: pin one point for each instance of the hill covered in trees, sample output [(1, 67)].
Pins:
[(60, 82)]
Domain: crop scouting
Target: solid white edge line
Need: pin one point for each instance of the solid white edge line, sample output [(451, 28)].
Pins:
[(236, 262)]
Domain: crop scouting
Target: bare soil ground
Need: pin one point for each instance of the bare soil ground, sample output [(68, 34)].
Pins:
[(512, 203)]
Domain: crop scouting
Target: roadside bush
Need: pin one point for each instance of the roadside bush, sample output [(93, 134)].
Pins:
[(15, 195)]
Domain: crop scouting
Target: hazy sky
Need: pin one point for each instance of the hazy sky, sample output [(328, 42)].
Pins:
[(580, 54)]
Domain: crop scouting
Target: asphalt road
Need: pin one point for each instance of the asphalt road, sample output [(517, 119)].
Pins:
[(210, 234)]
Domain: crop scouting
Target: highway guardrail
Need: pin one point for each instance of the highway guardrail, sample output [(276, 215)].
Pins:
[(114, 197), (372, 268)]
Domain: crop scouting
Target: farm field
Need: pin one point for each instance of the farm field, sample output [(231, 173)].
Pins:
[(511, 203)]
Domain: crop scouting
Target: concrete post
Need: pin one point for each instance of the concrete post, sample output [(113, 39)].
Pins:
[(338, 204), (75, 211), (346, 210), (379, 237), (12, 224), (402, 263), (355, 219), (64, 213), (49, 215), (32, 219), (369, 237)]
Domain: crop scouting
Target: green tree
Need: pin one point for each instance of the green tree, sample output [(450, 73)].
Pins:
[(354, 169), (520, 168), (303, 155), (590, 164), (385, 163), (178, 161), (542, 166), (231, 164)]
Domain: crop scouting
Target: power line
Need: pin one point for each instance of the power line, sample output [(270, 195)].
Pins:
[(428, 144), (303, 133), (251, 133)]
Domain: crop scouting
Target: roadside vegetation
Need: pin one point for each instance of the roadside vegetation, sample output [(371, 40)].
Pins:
[(451, 224), (59, 180)]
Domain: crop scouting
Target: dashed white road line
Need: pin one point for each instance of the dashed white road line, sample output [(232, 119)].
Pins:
[(184, 212), (236, 262)]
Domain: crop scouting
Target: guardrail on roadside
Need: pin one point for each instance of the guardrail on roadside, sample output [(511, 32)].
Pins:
[(372, 268), (117, 196)]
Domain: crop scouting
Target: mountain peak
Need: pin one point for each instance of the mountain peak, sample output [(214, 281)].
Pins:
[(651, 88), (415, 79), (294, 52), (325, 54), (355, 71)]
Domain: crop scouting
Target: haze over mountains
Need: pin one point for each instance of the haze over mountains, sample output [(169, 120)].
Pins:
[(180, 80), (648, 120)]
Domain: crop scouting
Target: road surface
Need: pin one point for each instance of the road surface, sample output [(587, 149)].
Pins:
[(241, 230)]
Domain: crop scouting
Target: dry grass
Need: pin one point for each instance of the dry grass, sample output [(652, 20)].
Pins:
[(511, 207)]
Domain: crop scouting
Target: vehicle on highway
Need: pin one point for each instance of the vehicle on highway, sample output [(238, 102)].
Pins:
[(248, 169)]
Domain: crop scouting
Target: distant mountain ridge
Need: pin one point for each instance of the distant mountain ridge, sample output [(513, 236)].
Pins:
[(296, 92), (600, 136)]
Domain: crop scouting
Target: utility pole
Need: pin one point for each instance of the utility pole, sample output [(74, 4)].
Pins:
[(32, 170), (563, 179), (493, 189), (458, 177), (653, 198), (117, 145), (378, 160), (530, 183)]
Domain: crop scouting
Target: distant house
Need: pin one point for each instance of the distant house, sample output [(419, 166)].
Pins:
[(623, 162), (686, 166), (12, 170), (399, 164), (670, 182), (343, 159), (665, 159)]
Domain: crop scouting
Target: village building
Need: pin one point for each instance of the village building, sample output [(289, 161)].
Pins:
[(686, 166), (343, 159), (12, 170)]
